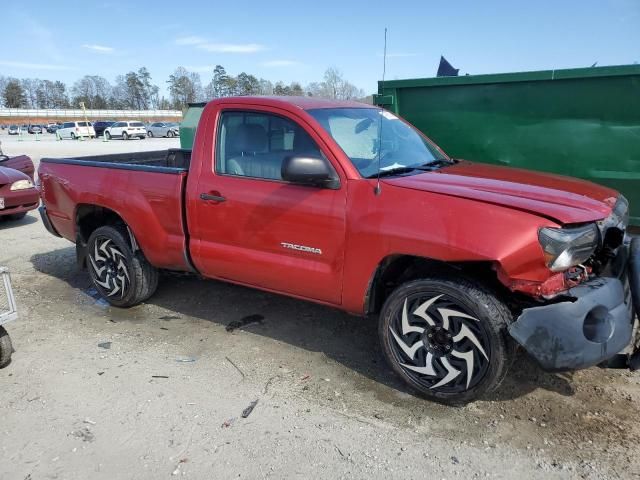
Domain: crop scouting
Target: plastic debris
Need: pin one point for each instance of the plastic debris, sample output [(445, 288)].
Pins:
[(247, 411), (105, 345), (256, 318)]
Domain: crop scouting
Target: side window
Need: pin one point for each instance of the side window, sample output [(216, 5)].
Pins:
[(255, 144), (67, 125)]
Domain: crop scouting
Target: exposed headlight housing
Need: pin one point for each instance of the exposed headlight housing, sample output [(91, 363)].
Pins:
[(21, 185), (567, 247), (620, 213)]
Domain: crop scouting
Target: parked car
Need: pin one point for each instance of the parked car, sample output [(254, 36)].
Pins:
[(52, 127), (163, 129), (350, 206), (14, 130), (101, 126), (126, 130), (34, 129), (75, 130), (18, 194), (24, 129)]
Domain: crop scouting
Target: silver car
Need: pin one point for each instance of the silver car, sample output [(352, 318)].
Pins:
[(163, 129)]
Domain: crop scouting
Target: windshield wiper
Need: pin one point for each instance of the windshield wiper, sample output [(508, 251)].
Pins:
[(399, 170)]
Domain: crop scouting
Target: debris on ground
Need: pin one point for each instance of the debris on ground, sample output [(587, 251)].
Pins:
[(169, 317), (105, 345), (235, 366), (228, 423), (247, 411), (159, 376), (84, 434), (185, 360), (177, 470), (249, 319), (305, 377), (90, 422)]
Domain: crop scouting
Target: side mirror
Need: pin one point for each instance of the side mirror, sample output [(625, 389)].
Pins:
[(309, 171)]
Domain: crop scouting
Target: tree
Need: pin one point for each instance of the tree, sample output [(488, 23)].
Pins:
[(247, 85), (93, 90), (217, 87), (30, 87), (184, 87), (13, 94)]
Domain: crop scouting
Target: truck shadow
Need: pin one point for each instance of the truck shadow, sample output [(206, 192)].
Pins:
[(348, 340)]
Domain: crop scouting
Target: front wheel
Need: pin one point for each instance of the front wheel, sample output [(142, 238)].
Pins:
[(150, 134), (170, 134), (123, 277), (125, 136), (446, 337), (107, 135)]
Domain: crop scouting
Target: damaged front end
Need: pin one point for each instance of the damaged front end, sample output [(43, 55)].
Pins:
[(591, 322)]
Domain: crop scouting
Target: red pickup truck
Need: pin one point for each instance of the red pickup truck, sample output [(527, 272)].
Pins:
[(347, 205), (18, 194)]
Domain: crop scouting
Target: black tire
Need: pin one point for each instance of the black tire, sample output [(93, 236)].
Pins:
[(125, 136), (170, 134), (150, 134), (73, 136), (6, 349), (107, 135), (122, 277), (443, 343)]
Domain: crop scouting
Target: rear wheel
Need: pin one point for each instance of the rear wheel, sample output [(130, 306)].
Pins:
[(125, 136), (107, 135), (73, 136), (6, 349), (170, 134), (123, 277), (446, 337)]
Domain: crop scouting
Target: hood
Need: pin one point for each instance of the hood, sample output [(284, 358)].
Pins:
[(563, 199), (9, 175)]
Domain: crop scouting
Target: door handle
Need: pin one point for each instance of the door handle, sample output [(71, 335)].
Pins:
[(207, 197)]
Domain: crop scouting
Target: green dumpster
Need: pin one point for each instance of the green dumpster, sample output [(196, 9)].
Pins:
[(189, 125), (579, 122)]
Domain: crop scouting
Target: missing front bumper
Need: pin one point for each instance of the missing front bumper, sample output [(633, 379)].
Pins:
[(580, 333)]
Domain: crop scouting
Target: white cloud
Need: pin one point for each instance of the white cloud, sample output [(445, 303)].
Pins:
[(204, 44), (33, 66), (192, 40), (98, 48), (232, 47), (279, 63)]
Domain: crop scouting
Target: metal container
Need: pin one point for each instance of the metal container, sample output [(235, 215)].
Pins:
[(189, 125), (579, 122)]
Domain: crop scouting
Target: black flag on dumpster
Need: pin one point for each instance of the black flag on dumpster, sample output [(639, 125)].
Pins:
[(445, 69)]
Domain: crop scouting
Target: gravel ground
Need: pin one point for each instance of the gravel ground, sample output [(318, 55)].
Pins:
[(158, 391)]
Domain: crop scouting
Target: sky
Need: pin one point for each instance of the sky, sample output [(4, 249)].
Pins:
[(298, 41)]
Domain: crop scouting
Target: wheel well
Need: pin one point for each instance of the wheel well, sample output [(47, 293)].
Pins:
[(89, 218), (397, 269)]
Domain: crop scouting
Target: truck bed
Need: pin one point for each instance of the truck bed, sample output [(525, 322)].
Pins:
[(146, 189), (173, 160)]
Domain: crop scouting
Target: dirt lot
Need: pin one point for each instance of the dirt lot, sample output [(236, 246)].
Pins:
[(158, 391)]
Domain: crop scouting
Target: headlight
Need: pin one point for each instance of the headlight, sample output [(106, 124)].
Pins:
[(21, 185), (567, 247)]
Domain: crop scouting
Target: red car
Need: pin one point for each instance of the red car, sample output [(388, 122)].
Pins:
[(347, 205), (18, 194)]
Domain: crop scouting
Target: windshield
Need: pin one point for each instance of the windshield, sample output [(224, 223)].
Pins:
[(357, 132)]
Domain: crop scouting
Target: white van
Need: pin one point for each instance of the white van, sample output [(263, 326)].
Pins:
[(75, 130)]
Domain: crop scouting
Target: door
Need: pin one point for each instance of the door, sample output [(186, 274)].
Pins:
[(250, 226)]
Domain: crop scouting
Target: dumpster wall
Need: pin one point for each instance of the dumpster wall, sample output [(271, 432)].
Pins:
[(580, 122)]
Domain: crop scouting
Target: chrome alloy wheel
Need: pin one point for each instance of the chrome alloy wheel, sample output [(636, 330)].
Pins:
[(438, 344), (110, 270)]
